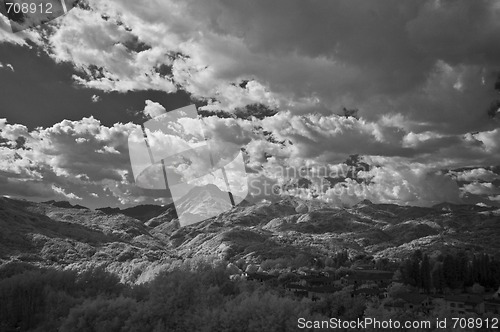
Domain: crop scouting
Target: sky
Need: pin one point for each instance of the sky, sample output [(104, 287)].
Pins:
[(422, 75)]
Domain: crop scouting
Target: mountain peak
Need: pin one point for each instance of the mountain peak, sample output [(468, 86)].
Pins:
[(202, 203), (212, 188), (65, 205), (364, 203)]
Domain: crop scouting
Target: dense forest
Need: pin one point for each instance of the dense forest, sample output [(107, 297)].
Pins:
[(203, 296), (457, 271), (199, 299)]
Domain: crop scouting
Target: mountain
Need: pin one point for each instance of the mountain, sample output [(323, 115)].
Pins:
[(381, 230), (140, 212), (65, 204), (202, 202), (199, 201), (461, 207), (168, 215), (50, 235)]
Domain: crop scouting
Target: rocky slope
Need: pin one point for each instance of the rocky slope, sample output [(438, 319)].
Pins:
[(68, 237), (46, 234)]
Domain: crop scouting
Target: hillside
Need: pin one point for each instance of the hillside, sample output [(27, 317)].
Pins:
[(48, 235), (53, 235), (140, 212)]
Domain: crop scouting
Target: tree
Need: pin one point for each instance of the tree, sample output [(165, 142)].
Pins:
[(438, 280), (382, 264), (415, 272), (425, 274), (340, 258), (410, 270), (397, 289), (97, 280), (477, 289), (258, 312), (287, 278), (462, 262), (449, 271), (100, 315)]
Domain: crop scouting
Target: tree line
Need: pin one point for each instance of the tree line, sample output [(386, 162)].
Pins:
[(453, 271), (185, 299)]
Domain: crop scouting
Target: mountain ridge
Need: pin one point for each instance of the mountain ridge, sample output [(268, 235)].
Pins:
[(45, 234)]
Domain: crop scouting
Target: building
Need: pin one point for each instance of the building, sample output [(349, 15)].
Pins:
[(317, 280), (261, 277), (361, 277), (412, 301), (369, 292), (315, 293), (465, 303), (492, 306), (297, 289)]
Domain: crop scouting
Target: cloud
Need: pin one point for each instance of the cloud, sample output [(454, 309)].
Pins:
[(95, 98), (323, 55), (420, 73), (482, 189), (26, 189), (477, 174), (61, 191), (21, 38), (108, 55), (332, 138), (489, 140), (70, 160), (84, 157), (153, 109), (411, 184), (393, 182), (385, 58)]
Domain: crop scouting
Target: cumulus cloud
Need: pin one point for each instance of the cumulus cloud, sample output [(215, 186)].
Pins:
[(476, 174), (83, 157), (153, 109), (21, 38), (482, 189), (109, 56), (412, 184), (332, 138), (69, 160), (87, 161)]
